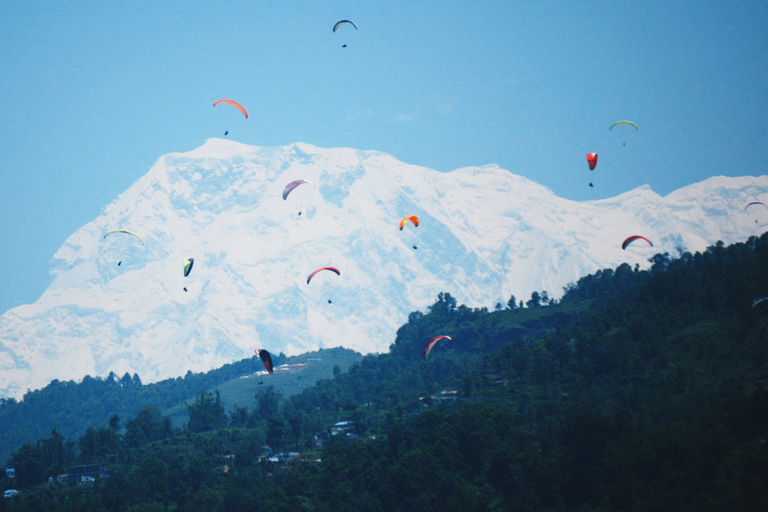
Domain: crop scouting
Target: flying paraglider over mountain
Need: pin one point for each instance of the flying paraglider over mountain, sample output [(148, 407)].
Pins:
[(292, 185), (414, 220), (332, 269), (431, 343), (266, 358), (632, 239), (592, 162), (758, 300), (234, 104), (755, 205), (126, 232), (188, 262)]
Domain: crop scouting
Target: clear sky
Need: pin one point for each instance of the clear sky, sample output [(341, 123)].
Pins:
[(95, 92)]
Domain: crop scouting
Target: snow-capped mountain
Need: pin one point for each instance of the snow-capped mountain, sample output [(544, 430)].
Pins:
[(118, 303)]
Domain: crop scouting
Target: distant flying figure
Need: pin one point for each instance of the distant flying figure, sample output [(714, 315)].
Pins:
[(592, 161), (343, 22), (266, 358), (632, 239), (226, 132), (121, 261), (234, 104), (185, 289), (329, 301), (415, 247)]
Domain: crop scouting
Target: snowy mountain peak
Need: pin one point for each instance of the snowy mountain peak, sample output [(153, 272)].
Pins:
[(119, 304)]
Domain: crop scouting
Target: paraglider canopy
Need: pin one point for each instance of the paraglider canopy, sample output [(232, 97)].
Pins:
[(124, 231), (292, 185), (188, 262), (759, 300), (234, 104), (431, 343), (266, 358), (343, 22), (632, 239), (592, 161), (332, 269), (624, 122), (414, 219)]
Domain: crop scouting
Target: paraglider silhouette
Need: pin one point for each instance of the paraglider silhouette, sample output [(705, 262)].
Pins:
[(121, 261), (592, 161), (226, 132)]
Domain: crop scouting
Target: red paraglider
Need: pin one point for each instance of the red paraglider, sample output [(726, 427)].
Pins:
[(431, 343), (632, 239), (266, 358), (321, 269), (592, 161)]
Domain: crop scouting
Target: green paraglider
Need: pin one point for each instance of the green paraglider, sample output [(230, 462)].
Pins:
[(188, 263)]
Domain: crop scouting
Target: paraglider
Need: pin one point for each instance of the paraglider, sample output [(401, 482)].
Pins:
[(266, 358), (226, 132), (755, 203), (234, 104), (592, 161), (630, 123), (332, 269), (414, 219), (431, 343), (188, 262), (624, 122), (759, 300), (291, 186), (632, 239), (343, 22), (124, 231)]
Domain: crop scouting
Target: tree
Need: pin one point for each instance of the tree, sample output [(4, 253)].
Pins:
[(206, 413), (268, 402), (512, 302), (535, 300)]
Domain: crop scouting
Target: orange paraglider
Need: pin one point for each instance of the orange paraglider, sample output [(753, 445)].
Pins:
[(234, 104)]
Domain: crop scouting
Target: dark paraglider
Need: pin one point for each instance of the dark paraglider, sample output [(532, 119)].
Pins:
[(266, 358)]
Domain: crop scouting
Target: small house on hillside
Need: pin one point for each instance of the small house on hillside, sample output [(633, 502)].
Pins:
[(84, 474)]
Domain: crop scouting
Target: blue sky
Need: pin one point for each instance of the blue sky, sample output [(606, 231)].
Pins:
[(95, 92)]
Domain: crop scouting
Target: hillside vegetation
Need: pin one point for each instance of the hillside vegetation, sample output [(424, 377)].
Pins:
[(638, 390)]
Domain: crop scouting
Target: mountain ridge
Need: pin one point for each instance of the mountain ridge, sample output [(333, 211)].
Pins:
[(485, 234)]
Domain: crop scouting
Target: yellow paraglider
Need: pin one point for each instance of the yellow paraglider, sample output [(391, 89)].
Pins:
[(624, 122)]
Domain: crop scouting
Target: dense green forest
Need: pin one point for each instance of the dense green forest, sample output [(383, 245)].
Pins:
[(637, 390)]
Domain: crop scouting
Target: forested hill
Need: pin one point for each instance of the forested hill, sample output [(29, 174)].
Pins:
[(639, 390)]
